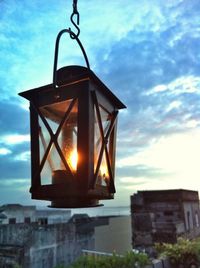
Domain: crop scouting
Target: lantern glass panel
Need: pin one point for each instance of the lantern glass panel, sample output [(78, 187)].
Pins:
[(44, 138), (58, 146), (103, 176)]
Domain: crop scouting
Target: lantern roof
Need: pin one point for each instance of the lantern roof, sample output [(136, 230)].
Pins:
[(74, 74)]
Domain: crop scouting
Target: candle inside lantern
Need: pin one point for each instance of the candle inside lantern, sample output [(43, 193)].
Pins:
[(69, 150), (64, 176)]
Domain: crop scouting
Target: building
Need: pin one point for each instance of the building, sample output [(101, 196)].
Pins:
[(32, 245), (36, 239), (39, 238), (16, 213), (52, 216), (163, 216)]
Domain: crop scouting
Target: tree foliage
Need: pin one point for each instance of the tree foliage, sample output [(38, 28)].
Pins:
[(185, 252)]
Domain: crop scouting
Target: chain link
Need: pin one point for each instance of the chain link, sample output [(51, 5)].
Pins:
[(75, 13)]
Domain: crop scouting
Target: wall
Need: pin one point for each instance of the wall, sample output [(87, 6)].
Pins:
[(44, 246), (53, 216), (192, 219), (163, 216)]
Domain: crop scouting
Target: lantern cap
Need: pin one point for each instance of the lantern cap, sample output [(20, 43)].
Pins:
[(71, 74), (80, 72)]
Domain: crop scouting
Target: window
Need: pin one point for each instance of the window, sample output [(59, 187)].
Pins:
[(27, 220), (43, 221), (188, 220), (168, 213), (12, 220), (197, 219)]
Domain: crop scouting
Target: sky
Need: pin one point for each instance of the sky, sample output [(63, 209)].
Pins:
[(147, 52)]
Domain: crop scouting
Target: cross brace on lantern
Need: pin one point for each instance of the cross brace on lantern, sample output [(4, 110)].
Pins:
[(104, 139)]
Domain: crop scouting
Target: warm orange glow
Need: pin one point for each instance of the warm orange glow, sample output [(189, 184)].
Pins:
[(73, 160), (104, 171)]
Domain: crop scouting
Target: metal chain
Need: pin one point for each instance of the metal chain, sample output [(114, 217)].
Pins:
[(75, 13), (75, 10)]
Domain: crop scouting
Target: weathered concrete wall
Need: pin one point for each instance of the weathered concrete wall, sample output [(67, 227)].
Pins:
[(160, 264), (46, 246), (10, 256), (53, 216), (163, 216)]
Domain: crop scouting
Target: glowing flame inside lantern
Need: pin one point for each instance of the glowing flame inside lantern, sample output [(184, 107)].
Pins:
[(73, 160), (104, 171)]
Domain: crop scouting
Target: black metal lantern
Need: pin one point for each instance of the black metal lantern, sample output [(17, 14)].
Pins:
[(73, 134)]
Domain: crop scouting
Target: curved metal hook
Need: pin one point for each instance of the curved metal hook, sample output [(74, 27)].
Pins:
[(57, 49), (75, 24)]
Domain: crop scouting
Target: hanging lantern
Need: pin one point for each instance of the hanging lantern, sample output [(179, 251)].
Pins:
[(73, 137)]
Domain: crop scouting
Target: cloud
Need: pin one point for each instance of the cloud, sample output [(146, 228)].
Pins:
[(170, 154), (14, 166), (12, 139), (26, 43), (136, 172), (5, 151), (186, 84), (15, 191), (14, 119), (24, 156)]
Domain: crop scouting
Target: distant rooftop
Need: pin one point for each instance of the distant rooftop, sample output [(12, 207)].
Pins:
[(16, 206), (169, 195), (3, 216)]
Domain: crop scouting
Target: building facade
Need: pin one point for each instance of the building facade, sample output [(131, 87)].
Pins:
[(32, 245), (163, 216), (45, 238), (16, 213)]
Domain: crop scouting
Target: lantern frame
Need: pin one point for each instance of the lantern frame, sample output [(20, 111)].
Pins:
[(80, 85)]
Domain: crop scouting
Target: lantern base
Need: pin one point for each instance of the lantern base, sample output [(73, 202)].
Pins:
[(75, 203)]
